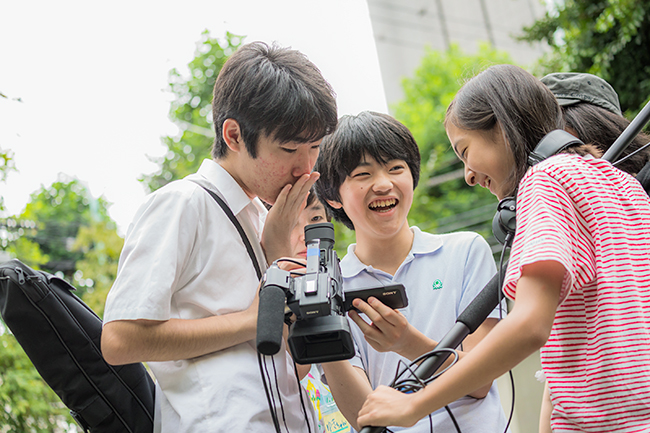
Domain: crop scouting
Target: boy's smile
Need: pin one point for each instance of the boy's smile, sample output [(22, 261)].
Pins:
[(377, 197), (383, 205)]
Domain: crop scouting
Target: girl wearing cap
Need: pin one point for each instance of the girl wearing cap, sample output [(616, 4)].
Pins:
[(593, 114), (579, 272)]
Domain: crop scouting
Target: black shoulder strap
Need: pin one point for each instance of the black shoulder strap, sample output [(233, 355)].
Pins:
[(237, 225), (552, 143)]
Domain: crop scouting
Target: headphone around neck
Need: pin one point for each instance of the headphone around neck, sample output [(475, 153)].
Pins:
[(504, 221)]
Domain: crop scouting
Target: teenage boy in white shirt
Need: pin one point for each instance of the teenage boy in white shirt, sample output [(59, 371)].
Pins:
[(369, 168), (186, 296)]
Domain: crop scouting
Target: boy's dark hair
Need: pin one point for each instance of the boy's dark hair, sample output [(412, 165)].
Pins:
[(373, 134), (274, 91), (313, 197)]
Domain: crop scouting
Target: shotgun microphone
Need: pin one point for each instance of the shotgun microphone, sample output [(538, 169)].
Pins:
[(270, 320)]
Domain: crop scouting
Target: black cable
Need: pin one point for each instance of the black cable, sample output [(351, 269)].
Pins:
[(276, 424), (414, 383), (453, 419), (506, 245), (277, 388), (512, 403), (290, 260), (302, 403)]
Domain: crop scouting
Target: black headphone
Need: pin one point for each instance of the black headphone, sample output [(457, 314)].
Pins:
[(504, 222)]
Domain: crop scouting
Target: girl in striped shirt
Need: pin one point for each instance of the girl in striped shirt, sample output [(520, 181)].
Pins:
[(579, 269)]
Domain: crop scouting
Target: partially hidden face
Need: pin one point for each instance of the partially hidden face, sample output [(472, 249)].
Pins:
[(277, 164), (311, 214)]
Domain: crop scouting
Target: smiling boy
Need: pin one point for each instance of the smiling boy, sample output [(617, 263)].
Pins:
[(369, 168)]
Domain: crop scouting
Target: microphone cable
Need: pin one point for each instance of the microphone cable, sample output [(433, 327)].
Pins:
[(412, 383), (506, 245), (277, 389), (302, 402), (264, 372)]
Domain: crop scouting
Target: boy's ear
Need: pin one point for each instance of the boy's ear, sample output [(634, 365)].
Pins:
[(232, 135), (334, 204)]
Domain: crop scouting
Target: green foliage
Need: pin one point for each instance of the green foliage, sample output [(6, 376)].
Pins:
[(608, 38), (96, 271), (191, 111), (29, 252), (28, 404), (344, 237), (58, 212), (443, 202)]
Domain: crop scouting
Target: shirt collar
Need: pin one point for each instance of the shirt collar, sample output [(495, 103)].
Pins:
[(423, 243), (229, 188)]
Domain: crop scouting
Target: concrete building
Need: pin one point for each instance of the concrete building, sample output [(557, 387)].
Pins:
[(402, 29)]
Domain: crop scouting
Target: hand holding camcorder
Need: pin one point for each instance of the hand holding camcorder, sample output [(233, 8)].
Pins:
[(321, 332)]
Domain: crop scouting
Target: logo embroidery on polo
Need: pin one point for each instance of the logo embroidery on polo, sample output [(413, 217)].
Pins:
[(437, 285)]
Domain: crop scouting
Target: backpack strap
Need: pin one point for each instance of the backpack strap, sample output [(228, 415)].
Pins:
[(235, 222)]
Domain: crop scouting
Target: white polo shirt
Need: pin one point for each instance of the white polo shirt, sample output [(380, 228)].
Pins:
[(184, 259), (442, 274)]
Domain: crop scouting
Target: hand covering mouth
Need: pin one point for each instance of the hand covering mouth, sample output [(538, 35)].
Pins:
[(383, 205)]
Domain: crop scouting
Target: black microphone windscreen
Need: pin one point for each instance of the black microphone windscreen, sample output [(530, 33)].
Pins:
[(270, 320), (486, 301)]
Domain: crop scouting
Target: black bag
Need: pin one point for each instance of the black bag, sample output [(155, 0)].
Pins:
[(61, 336)]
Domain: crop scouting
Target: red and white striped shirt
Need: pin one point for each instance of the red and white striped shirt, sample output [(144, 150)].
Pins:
[(595, 221)]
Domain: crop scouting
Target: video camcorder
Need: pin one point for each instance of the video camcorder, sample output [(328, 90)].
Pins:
[(321, 332)]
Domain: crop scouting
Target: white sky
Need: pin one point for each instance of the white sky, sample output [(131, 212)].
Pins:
[(92, 77)]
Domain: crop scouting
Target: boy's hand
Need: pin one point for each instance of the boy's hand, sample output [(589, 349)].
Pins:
[(283, 217), (388, 330)]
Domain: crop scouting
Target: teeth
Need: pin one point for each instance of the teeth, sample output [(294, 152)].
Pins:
[(383, 203)]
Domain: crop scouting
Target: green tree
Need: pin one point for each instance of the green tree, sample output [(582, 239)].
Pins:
[(443, 202), (608, 38), (29, 252), (96, 271), (191, 111), (28, 404), (59, 211)]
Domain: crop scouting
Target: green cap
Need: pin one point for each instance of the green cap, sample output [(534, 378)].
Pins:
[(572, 87)]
